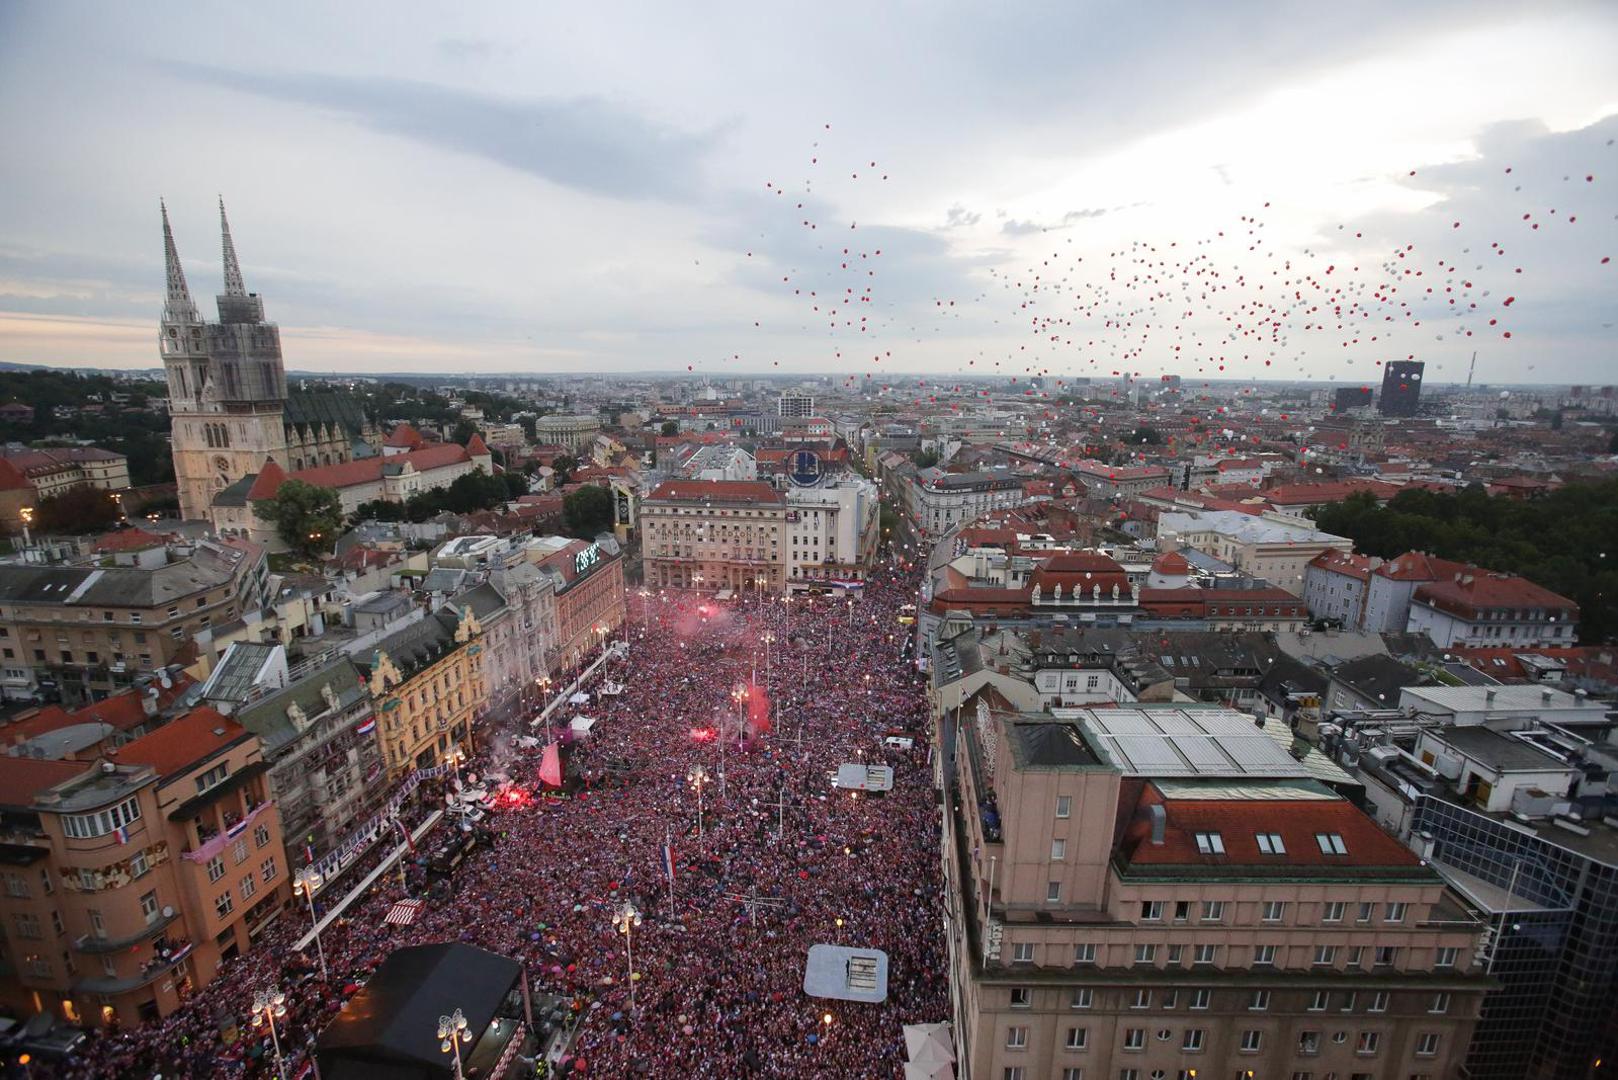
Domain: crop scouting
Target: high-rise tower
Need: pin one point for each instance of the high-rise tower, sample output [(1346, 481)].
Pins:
[(1401, 388)]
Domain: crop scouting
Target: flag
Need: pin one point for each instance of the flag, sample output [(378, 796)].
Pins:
[(758, 708), (550, 770), (308, 849), (668, 861), (122, 833), (404, 832), (367, 727)]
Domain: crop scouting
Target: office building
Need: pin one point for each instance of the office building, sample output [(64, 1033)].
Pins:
[(1401, 388)]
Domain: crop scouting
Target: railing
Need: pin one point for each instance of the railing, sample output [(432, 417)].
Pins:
[(216, 843)]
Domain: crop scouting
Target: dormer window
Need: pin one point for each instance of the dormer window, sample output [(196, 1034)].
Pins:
[(1270, 843), (1331, 844), (1210, 843)]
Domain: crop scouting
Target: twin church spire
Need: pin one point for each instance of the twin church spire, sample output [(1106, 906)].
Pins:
[(178, 306)]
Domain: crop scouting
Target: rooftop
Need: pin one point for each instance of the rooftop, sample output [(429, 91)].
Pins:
[(183, 743), (1050, 745), (1184, 741), (1245, 528)]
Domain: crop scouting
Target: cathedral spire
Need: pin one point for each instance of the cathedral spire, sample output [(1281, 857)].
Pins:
[(177, 307), (234, 286)]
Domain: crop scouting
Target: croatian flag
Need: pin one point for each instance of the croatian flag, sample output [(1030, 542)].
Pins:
[(122, 833), (367, 727)]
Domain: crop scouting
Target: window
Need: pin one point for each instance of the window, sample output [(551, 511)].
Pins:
[(1135, 1039), (1333, 912), (266, 869), (1367, 1043), (261, 835), (1205, 954), (1379, 1002), (1128, 1074), (225, 904), (1439, 1005), (1082, 998), (1176, 952), (1142, 1000), (1427, 1044), (1252, 1040), (1151, 910), (1274, 910), (1263, 955), (1077, 1038), (1182, 910), (238, 852), (1058, 850), (1446, 957), (1064, 806), (216, 868), (1210, 843), (1386, 955), (1348, 1003), (249, 887), (1201, 998), (1258, 1001), (28, 927), (1325, 955), (90, 826), (1145, 954), (139, 864), (1356, 956), (1270, 843), (1331, 844), (1365, 911), (1193, 1040), (1319, 1001), (1016, 1038), (1084, 954), (1053, 892), (1213, 910), (1171, 998), (1021, 997), (1072, 1073), (1394, 912), (148, 907), (1308, 1043), (1014, 1072)]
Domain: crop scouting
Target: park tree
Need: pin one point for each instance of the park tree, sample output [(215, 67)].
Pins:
[(588, 511), (80, 510), (671, 427), (307, 518)]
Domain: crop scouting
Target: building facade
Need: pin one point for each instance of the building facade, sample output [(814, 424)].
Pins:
[(1478, 607), (77, 631), (427, 684), (587, 581), (131, 877), (714, 534), (228, 394), (1270, 546), (1164, 891), (1401, 388), (795, 403), (574, 432)]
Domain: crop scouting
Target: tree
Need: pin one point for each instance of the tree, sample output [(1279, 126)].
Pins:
[(81, 510), (463, 432), (925, 459), (562, 468), (306, 517), (671, 427), (516, 483), (588, 511)]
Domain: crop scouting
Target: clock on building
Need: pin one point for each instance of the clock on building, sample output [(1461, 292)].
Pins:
[(803, 468)]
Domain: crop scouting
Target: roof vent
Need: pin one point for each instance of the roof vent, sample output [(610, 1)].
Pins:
[(1545, 696), (1160, 822), (1488, 697), (219, 731)]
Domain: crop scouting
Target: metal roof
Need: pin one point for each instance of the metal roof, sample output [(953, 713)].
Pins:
[(1177, 741)]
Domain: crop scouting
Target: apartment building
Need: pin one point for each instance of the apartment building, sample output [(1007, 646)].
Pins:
[(1165, 891), (587, 579), (937, 502), (832, 532), (1480, 607), (427, 683), (76, 631), (132, 872), (1269, 546), (573, 432), (713, 534)]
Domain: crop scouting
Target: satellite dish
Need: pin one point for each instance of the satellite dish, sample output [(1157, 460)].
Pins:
[(168, 913)]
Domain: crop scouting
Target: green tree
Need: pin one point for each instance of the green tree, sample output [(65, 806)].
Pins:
[(671, 427), (562, 468), (925, 459), (463, 432), (306, 517), (588, 511), (81, 510)]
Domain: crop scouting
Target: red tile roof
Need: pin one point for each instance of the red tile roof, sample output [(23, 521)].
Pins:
[(718, 491), (11, 478), (1417, 566), (1341, 562), (1238, 823), (267, 482), (404, 435), (131, 539), (369, 470), (123, 711), (476, 447), (183, 743), (1171, 563), (1479, 591), (23, 778)]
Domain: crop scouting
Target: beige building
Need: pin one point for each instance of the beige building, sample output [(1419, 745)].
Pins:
[(74, 630), (1163, 891), (132, 872), (1271, 546), (55, 470), (427, 682), (714, 534), (574, 432)]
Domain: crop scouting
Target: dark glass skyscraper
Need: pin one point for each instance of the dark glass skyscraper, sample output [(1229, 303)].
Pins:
[(1401, 388)]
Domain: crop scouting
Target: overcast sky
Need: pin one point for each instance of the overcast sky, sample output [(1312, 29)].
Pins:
[(1233, 189)]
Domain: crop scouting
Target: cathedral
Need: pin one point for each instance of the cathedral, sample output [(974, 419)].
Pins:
[(228, 399)]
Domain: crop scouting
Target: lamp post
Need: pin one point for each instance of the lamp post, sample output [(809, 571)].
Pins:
[(452, 1032), (625, 921), (27, 513), (267, 1005), (698, 777), (306, 881), (453, 758)]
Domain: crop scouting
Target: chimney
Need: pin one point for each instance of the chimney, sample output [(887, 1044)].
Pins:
[(1488, 697), (148, 701), (1160, 822), (1545, 696)]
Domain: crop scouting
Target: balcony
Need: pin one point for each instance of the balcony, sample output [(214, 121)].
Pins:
[(89, 943), (150, 972), (217, 842)]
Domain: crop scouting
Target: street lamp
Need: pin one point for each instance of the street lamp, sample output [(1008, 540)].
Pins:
[(452, 1032), (624, 921), (306, 881), (27, 513), (698, 777), (267, 1005), (453, 758)]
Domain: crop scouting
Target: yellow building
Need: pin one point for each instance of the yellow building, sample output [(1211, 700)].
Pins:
[(427, 680)]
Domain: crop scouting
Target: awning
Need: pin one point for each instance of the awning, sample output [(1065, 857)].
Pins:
[(403, 913), (581, 725)]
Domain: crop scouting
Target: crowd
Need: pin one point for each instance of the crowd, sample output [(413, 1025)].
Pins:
[(780, 861)]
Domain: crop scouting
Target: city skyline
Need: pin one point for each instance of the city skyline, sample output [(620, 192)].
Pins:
[(518, 198)]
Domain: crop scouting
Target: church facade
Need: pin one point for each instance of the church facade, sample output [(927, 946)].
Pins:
[(228, 401)]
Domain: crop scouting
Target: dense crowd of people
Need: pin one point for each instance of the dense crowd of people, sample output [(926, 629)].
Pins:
[(780, 860)]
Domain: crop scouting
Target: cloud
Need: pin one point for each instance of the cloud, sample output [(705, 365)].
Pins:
[(589, 144), (958, 216), (1015, 227), (1080, 215)]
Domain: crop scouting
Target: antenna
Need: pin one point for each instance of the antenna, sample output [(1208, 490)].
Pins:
[(1471, 369)]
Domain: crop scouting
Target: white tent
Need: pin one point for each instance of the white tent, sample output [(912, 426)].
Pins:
[(579, 698), (929, 1070), (581, 725), (929, 1043)]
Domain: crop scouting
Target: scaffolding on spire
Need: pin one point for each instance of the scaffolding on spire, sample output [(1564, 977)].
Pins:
[(234, 286)]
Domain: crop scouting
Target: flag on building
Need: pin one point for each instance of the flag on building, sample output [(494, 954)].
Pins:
[(308, 849), (367, 727), (550, 769), (122, 833)]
